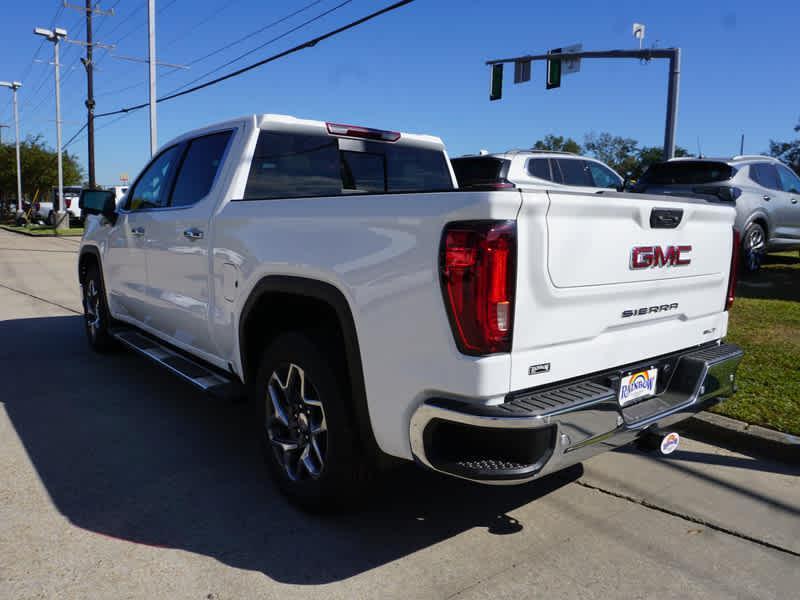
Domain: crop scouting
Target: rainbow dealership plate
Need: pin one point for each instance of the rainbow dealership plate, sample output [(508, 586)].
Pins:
[(637, 385)]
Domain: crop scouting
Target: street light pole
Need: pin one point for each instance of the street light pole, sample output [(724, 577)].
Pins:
[(55, 36), (15, 85), (151, 57)]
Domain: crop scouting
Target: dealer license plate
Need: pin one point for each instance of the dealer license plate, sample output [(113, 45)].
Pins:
[(637, 385)]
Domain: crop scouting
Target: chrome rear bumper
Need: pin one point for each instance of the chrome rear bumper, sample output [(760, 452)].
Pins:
[(544, 430)]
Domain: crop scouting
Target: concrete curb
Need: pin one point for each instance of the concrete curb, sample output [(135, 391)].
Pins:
[(743, 437)]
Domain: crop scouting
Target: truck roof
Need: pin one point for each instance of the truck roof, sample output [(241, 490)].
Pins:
[(290, 123)]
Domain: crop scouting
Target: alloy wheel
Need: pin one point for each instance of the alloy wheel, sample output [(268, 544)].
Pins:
[(91, 305), (295, 423)]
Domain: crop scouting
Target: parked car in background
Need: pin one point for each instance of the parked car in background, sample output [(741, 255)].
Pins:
[(765, 192), (535, 168), (119, 191), (46, 210)]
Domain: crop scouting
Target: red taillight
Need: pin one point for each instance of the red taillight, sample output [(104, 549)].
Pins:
[(734, 271), (68, 202), (478, 271), (362, 132)]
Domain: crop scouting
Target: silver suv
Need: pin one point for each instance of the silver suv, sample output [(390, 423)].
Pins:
[(534, 168), (766, 194)]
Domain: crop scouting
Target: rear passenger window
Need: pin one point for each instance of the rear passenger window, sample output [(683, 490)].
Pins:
[(199, 168), (287, 165), (574, 172), (765, 174), (539, 167)]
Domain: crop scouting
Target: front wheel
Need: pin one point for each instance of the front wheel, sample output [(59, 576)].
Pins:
[(754, 246), (304, 424), (97, 320)]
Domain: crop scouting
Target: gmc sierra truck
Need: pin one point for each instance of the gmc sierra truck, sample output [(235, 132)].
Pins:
[(370, 308)]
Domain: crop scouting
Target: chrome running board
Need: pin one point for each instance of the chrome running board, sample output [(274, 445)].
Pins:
[(177, 362)]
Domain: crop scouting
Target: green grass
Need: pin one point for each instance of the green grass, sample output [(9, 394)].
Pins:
[(765, 321), (43, 230)]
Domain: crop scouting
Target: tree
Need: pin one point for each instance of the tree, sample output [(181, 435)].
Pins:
[(648, 155), (788, 152), (39, 168), (617, 152), (558, 143)]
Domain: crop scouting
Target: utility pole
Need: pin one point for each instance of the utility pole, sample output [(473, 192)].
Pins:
[(55, 36), (90, 94), (89, 66), (151, 58), (15, 85)]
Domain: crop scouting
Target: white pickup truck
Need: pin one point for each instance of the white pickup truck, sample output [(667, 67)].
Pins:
[(370, 308)]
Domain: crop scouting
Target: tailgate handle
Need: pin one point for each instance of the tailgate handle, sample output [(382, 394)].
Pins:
[(665, 218)]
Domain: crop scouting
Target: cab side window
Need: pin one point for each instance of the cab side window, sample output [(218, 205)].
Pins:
[(603, 177), (199, 168), (574, 171), (789, 181), (765, 174), (540, 167), (152, 188)]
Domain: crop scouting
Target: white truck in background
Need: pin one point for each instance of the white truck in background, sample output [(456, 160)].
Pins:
[(370, 308)]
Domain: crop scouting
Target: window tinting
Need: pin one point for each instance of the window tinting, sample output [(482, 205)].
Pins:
[(200, 166), (539, 167), (416, 169), (152, 188), (687, 172), (789, 180), (477, 170), (765, 174), (287, 165), (574, 172), (290, 165), (363, 172), (603, 177)]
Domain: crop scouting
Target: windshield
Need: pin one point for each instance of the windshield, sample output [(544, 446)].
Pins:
[(687, 172)]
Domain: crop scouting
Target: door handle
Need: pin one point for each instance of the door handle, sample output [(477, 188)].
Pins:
[(765, 197), (138, 231), (794, 200), (193, 233)]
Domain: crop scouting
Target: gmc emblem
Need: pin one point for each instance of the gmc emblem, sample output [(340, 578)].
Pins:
[(647, 257)]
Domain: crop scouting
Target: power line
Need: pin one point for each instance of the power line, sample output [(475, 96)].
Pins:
[(308, 44), (221, 49)]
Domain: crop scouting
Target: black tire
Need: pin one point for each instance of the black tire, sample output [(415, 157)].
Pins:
[(754, 245), (97, 320), (51, 219), (341, 466)]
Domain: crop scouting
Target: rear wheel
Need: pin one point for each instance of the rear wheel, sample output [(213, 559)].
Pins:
[(97, 320), (304, 426), (754, 246)]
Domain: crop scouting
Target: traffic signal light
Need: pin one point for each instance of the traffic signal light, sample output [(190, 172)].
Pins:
[(554, 70), (496, 88)]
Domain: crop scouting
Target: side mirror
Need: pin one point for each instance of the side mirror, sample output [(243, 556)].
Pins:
[(99, 202)]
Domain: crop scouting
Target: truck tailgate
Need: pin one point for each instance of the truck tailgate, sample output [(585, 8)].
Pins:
[(581, 307)]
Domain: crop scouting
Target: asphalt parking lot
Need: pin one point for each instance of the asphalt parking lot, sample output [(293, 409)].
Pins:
[(119, 481)]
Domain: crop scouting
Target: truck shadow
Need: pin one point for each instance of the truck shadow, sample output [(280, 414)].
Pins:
[(778, 279), (128, 451)]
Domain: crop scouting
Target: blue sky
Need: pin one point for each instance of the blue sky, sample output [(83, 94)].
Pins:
[(420, 69)]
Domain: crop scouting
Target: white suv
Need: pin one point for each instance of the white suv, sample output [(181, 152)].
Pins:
[(535, 169)]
